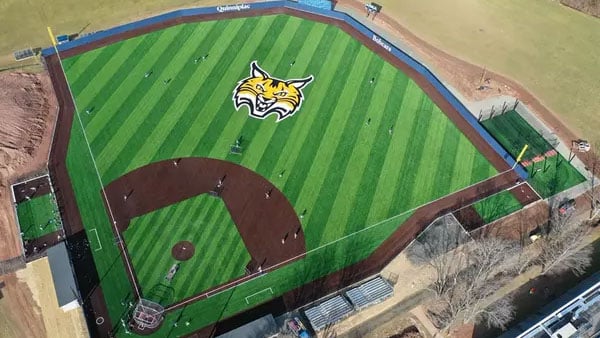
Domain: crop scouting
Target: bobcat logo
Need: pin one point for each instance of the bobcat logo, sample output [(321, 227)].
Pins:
[(265, 95)]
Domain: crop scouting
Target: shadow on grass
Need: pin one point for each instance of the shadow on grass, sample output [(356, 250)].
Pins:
[(547, 288)]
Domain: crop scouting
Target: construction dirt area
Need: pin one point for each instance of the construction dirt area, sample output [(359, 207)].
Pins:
[(28, 304), (27, 110), (29, 307)]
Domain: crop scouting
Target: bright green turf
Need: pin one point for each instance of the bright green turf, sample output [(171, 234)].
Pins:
[(556, 175), (206, 223), (348, 174), (37, 217), (497, 206), (513, 132)]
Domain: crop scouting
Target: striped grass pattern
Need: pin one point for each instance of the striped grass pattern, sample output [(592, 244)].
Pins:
[(202, 220), (355, 154)]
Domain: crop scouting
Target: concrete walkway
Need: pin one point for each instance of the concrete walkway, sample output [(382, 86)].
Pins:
[(408, 292), (369, 23)]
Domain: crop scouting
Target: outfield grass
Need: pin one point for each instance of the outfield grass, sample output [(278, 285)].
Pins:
[(205, 222), (357, 181), (524, 40), (38, 217), (497, 206), (558, 65), (513, 132)]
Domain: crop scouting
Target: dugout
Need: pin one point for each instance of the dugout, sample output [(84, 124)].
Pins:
[(62, 276), (262, 327)]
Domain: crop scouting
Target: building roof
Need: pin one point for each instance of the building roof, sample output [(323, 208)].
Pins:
[(578, 308), (62, 274), (262, 327)]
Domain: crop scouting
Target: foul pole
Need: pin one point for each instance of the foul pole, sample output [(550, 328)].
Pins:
[(52, 38), (520, 155)]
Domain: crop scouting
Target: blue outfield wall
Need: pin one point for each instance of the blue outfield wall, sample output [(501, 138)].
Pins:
[(420, 68)]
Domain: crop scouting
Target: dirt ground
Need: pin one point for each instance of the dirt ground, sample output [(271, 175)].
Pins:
[(27, 109), (400, 327), (461, 75), (20, 316), (29, 307)]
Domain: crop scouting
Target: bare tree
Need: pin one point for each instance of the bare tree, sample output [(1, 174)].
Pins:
[(560, 247), (524, 255), (436, 247), (593, 161), (329, 331), (466, 274), (487, 270), (499, 314)]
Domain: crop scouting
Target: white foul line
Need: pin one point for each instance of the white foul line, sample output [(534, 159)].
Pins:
[(112, 217)]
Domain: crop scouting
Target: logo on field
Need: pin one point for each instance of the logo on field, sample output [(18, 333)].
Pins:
[(265, 95)]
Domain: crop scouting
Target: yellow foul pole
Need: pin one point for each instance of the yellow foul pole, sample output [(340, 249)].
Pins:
[(51, 36), (522, 153)]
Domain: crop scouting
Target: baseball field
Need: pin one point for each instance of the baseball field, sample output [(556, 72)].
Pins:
[(365, 148)]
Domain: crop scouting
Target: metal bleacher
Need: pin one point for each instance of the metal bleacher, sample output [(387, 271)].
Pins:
[(23, 54), (372, 292), (329, 312)]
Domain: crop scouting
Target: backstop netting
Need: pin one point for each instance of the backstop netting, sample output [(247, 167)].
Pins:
[(148, 314)]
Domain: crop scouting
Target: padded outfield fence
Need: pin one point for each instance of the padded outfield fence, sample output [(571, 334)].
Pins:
[(249, 7)]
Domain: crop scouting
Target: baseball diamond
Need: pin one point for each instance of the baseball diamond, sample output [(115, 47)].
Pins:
[(337, 156)]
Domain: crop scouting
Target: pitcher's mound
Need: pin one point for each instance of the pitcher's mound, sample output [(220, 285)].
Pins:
[(182, 251)]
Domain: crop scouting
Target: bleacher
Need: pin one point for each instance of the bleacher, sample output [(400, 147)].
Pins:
[(322, 4), (372, 292), (23, 54), (329, 312)]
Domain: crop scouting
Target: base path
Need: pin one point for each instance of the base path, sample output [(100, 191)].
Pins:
[(265, 219)]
